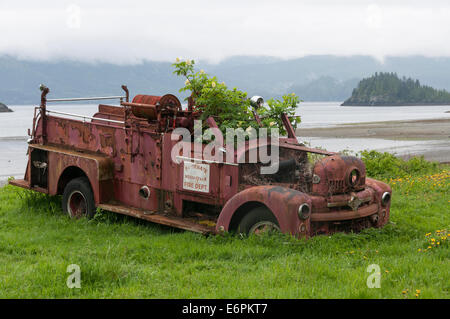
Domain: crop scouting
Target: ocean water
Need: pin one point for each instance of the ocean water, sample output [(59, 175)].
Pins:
[(13, 129)]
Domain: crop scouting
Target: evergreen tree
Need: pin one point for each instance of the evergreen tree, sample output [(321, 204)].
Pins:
[(388, 89)]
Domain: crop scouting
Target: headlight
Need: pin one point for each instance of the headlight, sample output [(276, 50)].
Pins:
[(257, 101), (386, 198), (304, 211)]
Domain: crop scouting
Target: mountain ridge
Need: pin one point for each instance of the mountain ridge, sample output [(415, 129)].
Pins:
[(313, 78)]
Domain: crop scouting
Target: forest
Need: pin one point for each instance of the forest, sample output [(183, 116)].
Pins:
[(387, 89)]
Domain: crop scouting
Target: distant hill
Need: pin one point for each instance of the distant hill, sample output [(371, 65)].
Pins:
[(325, 88), (313, 78), (4, 108), (386, 89)]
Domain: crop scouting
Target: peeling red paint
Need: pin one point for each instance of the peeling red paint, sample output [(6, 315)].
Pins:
[(133, 150)]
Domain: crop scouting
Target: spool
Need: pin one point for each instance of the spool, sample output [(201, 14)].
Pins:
[(148, 106)]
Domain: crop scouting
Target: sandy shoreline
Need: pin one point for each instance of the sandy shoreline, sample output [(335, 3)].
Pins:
[(433, 130), (436, 129)]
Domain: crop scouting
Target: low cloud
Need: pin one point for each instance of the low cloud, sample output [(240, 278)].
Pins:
[(132, 31)]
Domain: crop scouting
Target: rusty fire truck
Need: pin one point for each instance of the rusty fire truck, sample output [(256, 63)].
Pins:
[(119, 160)]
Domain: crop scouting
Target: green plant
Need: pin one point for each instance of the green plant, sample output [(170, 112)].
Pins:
[(129, 258), (231, 108), (271, 116), (384, 165)]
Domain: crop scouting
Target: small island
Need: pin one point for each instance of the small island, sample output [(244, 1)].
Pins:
[(4, 108), (387, 89)]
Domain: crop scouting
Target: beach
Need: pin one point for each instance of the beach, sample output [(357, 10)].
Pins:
[(433, 129), (432, 134)]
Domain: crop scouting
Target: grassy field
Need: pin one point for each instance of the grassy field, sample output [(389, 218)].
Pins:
[(122, 257)]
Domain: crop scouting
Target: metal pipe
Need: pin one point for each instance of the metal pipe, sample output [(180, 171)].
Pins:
[(137, 104), (127, 93), (86, 117), (86, 98), (45, 90), (288, 126)]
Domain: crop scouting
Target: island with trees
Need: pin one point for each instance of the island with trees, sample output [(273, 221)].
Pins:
[(387, 89), (4, 108)]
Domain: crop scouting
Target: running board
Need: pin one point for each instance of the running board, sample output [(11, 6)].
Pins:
[(158, 218), (25, 184)]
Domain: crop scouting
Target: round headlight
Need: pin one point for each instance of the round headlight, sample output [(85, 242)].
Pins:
[(303, 211), (353, 177), (257, 101), (386, 198)]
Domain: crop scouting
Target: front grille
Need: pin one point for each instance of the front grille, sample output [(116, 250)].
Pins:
[(336, 186)]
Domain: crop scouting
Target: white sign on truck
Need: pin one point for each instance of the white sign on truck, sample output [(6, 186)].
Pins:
[(196, 177)]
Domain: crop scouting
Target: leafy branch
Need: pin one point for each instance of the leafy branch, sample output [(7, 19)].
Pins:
[(231, 108)]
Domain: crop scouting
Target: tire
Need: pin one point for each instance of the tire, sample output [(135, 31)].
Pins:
[(258, 220), (78, 199)]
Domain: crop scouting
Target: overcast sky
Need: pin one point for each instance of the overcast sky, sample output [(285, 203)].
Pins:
[(131, 31)]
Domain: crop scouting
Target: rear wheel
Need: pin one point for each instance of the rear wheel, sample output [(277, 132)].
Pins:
[(78, 198), (259, 220)]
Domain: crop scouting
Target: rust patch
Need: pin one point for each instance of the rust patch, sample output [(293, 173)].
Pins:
[(127, 147)]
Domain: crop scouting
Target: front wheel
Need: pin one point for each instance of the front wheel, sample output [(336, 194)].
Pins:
[(78, 198), (259, 220)]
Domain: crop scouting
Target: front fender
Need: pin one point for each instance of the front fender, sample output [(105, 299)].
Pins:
[(380, 188), (283, 203)]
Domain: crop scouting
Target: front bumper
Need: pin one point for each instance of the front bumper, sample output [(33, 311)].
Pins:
[(363, 206), (340, 215)]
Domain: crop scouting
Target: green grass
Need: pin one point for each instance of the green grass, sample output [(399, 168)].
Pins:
[(121, 257)]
